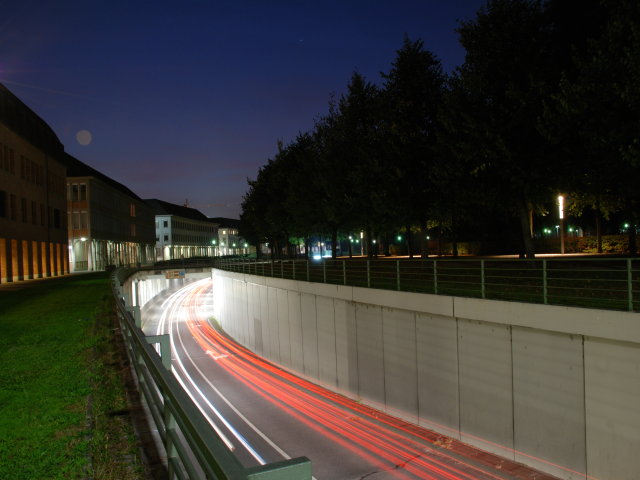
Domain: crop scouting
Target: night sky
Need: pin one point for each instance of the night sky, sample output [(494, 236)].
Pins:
[(184, 100)]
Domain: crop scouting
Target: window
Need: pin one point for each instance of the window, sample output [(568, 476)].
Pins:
[(166, 238), (165, 224), (74, 192), (42, 215), (56, 218), (84, 223), (34, 213), (132, 210), (133, 229), (23, 204), (13, 207), (3, 204), (75, 222), (12, 163)]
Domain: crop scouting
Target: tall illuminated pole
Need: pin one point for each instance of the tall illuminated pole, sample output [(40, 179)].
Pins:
[(561, 215)]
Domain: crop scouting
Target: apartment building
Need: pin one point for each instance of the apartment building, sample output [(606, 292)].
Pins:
[(33, 229), (229, 241), (108, 224), (182, 232)]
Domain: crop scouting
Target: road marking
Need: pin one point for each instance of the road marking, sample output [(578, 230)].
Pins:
[(217, 413)]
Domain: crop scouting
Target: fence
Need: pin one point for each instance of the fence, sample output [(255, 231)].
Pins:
[(194, 450), (608, 283)]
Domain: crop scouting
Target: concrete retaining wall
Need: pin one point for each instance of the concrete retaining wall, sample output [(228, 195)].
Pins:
[(144, 285), (557, 388)]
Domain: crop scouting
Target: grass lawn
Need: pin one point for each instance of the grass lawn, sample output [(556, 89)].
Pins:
[(61, 382)]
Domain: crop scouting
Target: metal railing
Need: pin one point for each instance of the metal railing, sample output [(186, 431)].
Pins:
[(194, 450), (600, 282)]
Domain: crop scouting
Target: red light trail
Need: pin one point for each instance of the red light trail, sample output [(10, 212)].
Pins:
[(392, 445)]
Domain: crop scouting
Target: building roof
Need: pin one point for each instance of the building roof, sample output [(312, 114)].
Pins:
[(226, 222), (24, 121), (76, 168), (160, 207)]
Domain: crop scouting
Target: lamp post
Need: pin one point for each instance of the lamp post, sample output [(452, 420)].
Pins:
[(561, 215)]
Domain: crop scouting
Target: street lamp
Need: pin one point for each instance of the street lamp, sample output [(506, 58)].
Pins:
[(561, 216)]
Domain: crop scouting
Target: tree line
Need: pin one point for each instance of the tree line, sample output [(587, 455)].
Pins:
[(547, 102)]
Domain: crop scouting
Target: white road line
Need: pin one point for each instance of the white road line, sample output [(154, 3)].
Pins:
[(185, 374), (167, 306)]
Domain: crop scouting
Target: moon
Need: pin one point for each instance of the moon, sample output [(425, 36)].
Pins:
[(84, 137)]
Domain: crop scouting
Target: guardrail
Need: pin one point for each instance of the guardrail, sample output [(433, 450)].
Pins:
[(608, 283), (194, 450)]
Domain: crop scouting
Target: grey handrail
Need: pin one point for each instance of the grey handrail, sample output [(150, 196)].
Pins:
[(194, 449)]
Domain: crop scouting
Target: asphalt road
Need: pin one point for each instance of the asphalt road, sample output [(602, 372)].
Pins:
[(266, 414)]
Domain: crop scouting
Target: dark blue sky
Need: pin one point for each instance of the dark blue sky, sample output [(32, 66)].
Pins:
[(186, 99)]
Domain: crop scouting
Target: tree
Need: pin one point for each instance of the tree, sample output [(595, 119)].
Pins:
[(356, 141), (504, 77), (412, 96), (595, 118)]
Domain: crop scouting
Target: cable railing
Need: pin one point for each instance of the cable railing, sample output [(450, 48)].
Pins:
[(194, 449), (594, 282)]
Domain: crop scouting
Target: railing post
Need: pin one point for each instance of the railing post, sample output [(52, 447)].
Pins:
[(293, 266), (398, 275), (170, 448), (482, 287), (545, 298), (435, 277), (307, 269), (282, 269), (324, 271), (344, 272), (368, 274), (272, 267), (629, 285), (135, 313), (165, 348)]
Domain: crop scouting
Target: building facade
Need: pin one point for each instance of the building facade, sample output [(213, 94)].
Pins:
[(33, 213), (182, 232), (108, 224), (229, 241)]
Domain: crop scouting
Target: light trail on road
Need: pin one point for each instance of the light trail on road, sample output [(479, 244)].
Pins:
[(392, 447)]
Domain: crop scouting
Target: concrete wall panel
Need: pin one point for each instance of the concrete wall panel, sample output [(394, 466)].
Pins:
[(295, 330), (438, 304), (284, 342), (273, 348), (502, 373), (309, 335), (548, 398), (253, 312), (614, 325), (486, 413), (346, 346), (325, 317), (264, 320), (612, 398), (241, 313), (400, 364), (437, 363), (370, 354)]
